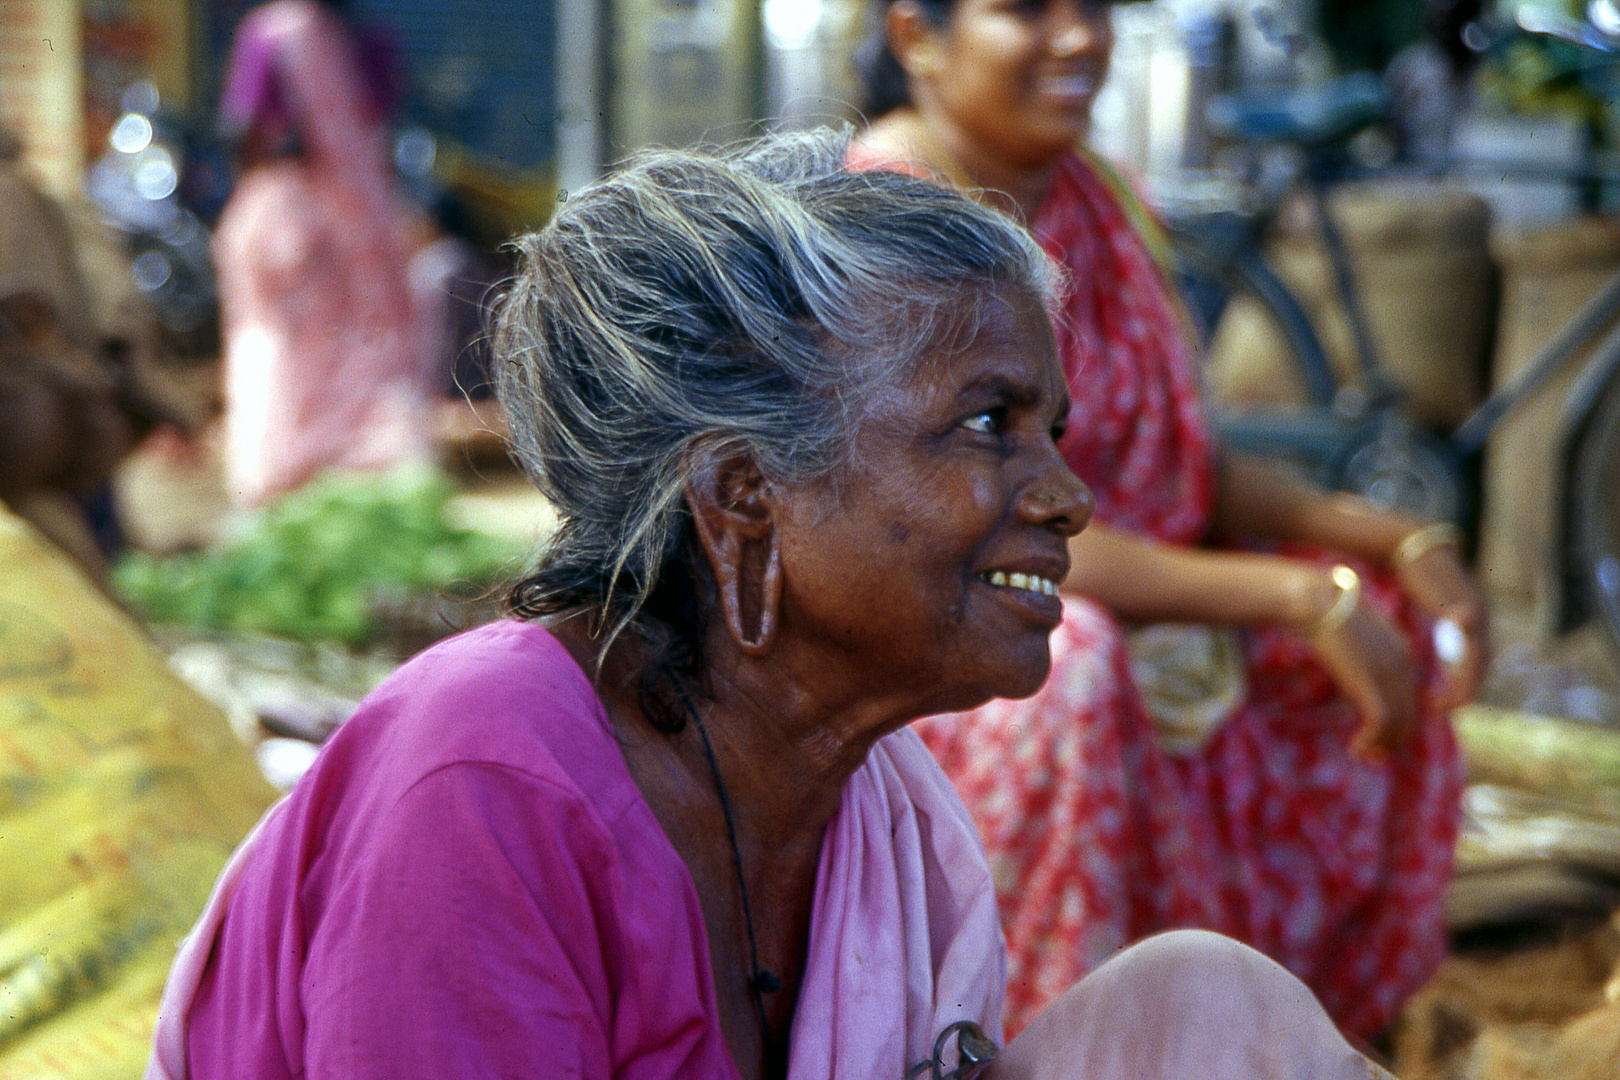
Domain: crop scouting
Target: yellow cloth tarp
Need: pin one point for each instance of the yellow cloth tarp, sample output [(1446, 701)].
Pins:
[(121, 794)]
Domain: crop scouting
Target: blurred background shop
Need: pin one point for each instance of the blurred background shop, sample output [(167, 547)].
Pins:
[(558, 89), (1467, 149)]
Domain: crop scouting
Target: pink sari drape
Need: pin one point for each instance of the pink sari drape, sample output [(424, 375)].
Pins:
[(904, 942)]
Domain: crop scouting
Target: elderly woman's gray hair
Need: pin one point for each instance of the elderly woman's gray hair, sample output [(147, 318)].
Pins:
[(708, 304)]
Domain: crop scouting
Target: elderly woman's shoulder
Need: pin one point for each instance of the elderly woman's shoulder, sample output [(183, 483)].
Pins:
[(504, 695), (499, 653)]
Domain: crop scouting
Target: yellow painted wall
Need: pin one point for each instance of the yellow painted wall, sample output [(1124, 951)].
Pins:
[(683, 71), (43, 66)]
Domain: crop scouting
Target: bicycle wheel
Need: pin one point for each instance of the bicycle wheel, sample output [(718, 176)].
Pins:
[(1395, 464), (1595, 495), (1271, 386), (1245, 287)]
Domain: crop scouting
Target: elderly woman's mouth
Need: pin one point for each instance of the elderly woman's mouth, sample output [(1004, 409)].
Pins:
[(1003, 579)]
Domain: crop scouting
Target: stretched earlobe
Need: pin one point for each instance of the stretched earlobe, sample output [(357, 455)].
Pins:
[(761, 609), (733, 515)]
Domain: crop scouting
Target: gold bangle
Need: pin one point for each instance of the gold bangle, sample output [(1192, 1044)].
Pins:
[(1344, 604), (1420, 541)]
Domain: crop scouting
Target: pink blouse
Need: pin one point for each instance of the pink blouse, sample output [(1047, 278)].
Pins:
[(469, 884)]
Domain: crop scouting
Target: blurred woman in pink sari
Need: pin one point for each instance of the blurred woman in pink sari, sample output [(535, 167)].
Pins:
[(328, 349)]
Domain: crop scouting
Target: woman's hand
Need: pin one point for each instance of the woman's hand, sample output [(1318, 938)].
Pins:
[(1368, 657), (1437, 582)]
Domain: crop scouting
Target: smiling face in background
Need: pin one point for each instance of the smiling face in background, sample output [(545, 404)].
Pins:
[(1013, 78), (927, 571)]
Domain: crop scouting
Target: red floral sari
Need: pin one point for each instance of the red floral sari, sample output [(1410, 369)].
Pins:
[(1270, 832)]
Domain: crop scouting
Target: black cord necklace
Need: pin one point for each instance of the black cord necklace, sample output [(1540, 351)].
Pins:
[(761, 981)]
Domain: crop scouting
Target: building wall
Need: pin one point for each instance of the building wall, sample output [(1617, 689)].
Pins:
[(63, 66), (42, 85), (684, 71)]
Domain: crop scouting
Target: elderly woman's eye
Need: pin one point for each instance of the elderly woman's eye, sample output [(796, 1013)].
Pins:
[(988, 422)]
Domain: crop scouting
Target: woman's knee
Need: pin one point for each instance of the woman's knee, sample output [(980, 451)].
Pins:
[(1202, 951), (1185, 1003), (1202, 970), (1185, 981)]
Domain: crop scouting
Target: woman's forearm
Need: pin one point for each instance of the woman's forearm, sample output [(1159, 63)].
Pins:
[(1145, 580), (1266, 500)]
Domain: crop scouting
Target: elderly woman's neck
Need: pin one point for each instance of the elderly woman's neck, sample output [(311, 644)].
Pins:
[(799, 740), (783, 747), (908, 134)]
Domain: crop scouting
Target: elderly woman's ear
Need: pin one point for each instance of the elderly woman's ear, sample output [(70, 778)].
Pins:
[(735, 512)]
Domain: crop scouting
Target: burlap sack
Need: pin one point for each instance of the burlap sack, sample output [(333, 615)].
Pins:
[(1547, 276), (1422, 267)]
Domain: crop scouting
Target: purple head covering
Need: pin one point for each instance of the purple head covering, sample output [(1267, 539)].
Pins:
[(263, 65)]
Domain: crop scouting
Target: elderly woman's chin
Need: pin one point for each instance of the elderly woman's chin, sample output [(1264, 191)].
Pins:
[(1029, 675), (1018, 673)]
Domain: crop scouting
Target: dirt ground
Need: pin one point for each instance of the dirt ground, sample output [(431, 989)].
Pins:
[(1535, 1001)]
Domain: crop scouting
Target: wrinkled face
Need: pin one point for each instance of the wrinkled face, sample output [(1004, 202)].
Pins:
[(929, 568), (1019, 76)]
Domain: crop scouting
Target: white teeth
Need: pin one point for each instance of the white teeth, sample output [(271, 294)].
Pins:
[(1029, 582)]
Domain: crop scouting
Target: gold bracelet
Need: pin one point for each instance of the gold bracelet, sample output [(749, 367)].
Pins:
[(1420, 541), (1344, 604)]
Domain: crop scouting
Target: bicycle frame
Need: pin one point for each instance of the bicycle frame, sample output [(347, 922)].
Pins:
[(1353, 442), (1599, 312)]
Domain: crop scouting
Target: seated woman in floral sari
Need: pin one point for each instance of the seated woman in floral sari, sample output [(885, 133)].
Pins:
[(1308, 804)]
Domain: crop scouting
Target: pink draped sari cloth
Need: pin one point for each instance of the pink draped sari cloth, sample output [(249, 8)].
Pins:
[(904, 943), (327, 346), (1270, 832)]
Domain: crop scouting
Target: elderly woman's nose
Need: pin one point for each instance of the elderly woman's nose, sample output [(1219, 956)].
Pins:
[(1058, 499)]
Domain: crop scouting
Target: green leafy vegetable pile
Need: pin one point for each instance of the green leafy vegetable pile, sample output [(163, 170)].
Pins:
[(321, 563)]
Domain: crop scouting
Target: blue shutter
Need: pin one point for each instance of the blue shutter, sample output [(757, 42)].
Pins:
[(480, 71)]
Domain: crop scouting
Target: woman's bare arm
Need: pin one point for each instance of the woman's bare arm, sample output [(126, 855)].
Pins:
[(1269, 501), (1263, 499), (1145, 580)]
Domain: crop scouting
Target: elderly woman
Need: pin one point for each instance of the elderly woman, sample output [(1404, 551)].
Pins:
[(669, 822), (1304, 798)]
